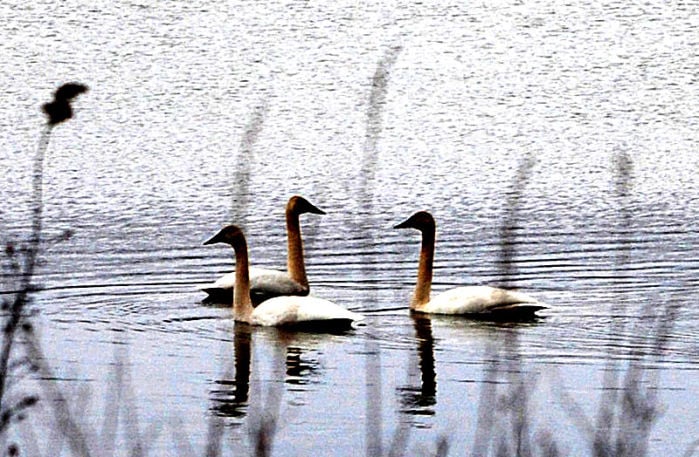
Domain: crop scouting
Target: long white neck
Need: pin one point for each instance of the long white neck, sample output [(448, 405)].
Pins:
[(294, 263), (424, 270), (242, 304)]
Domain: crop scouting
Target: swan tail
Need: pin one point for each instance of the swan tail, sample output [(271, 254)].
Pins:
[(217, 295), (322, 325), (516, 311)]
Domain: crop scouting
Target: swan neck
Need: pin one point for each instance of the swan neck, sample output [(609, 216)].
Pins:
[(242, 304), (294, 262), (424, 271)]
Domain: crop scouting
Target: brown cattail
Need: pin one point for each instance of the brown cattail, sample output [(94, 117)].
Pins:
[(59, 109)]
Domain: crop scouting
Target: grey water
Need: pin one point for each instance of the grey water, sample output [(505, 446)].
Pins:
[(555, 144)]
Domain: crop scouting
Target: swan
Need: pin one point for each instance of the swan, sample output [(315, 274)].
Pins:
[(474, 301), (267, 283), (303, 312)]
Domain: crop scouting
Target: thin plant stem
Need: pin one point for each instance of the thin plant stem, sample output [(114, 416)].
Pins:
[(27, 274), (374, 126), (66, 422)]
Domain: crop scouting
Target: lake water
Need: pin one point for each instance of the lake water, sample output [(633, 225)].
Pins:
[(556, 146)]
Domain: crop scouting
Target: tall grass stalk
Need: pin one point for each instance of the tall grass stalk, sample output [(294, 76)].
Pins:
[(17, 319), (629, 406), (26, 271), (240, 185), (374, 126), (507, 431)]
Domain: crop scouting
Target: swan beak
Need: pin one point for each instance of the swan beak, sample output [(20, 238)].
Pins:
[(214, 239), (229, 234), (404, 224), (315, 210)]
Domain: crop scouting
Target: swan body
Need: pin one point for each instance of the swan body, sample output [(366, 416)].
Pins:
[(480, 300), (475, 301), (282, 311), (290, 310), (267, 283)]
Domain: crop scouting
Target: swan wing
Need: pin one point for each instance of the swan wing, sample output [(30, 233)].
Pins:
[(272, 283), (481, 300), (265, 283), (317, 309), (295, 310), (227, 281)]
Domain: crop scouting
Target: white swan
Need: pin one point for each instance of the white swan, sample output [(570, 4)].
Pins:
[(309, 313), (476, 301), (266, 283)]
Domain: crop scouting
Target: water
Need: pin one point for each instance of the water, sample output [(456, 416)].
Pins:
[(201, 114)]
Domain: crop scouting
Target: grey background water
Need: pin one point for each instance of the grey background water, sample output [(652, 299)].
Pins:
[(205, 113)]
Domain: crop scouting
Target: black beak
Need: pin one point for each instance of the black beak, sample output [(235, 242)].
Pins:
[(315, 210), (311, 208), (214, 239), (404, 224)]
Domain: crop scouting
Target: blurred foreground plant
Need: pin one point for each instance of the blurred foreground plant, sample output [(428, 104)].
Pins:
[(20, 263)]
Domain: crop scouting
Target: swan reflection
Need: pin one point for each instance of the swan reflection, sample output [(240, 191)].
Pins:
[(419, 397), (291, 366), (230, 397)]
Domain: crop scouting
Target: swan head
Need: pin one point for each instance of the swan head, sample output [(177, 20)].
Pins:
[(422, 220), (300, 205), (230, 234)]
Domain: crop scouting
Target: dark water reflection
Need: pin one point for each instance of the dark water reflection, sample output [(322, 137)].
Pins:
[(230, 398), (419, 397), (295, 365)]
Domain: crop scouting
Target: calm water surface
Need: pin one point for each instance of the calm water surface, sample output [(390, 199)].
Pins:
[(555, 145)]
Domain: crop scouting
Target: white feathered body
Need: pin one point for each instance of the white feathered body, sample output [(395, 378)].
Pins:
[(479, 300), (295, 310), (265, 283)]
